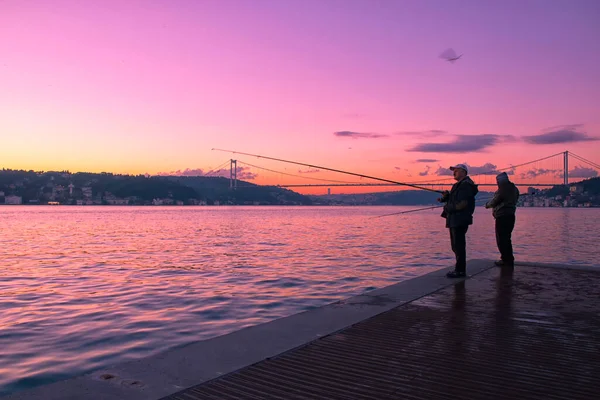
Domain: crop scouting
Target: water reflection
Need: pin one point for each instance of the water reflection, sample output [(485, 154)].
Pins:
[(84, 287)]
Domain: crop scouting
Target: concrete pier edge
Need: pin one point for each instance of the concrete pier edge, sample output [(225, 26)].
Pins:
[(191, 364)]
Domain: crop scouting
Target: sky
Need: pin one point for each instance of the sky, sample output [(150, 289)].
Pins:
[(151, 86)]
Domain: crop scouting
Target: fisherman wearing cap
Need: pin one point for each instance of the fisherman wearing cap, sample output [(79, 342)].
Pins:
[(504, 205), (458, 211)]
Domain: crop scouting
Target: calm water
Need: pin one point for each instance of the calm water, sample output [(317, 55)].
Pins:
[(83, 288)]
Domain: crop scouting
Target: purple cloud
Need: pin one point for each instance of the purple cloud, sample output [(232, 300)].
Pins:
[(535, 172), (460, 144), (485, 169), (426, 160), (561, 134), (243, 173), (426, 172), (403, 169), (309, 171), (443, 171), (362, 135), (185, 172), (583, 172)]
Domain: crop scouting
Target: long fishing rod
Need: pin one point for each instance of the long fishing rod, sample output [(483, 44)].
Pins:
[(407, 211), (432, 207), (331, 169), (425, 208)]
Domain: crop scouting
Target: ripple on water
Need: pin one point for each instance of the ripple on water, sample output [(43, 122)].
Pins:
[(87, 287)]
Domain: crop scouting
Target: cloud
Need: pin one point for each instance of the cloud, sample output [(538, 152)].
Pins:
[(583, 172), (185, 172), (474, 143), (243, 173), (426, 160), (443, 171), (485, 169), (403, 169), (426, 172), (560, 134), (460, 144), (535, 172), (369, 135), (362, 135), (309, 171)]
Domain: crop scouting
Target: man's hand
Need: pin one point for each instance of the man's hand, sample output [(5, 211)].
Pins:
[(444, 197)]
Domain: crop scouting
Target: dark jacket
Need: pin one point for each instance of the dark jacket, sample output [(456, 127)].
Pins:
[(505, 200), (460, 204)]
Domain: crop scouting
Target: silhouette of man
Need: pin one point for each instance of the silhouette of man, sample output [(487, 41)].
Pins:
[(458, 211), (504, 205)]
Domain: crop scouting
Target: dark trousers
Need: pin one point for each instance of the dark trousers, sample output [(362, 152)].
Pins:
[(458, 240), (504, 228)]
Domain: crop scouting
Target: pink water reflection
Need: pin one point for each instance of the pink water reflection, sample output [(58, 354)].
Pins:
[(86, 287)]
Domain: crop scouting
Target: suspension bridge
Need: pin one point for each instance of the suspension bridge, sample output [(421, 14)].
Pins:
[(557, 169)]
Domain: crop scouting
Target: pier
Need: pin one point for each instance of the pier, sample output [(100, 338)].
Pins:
[(529, 334)]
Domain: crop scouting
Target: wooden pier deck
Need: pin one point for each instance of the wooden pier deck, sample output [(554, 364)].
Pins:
[(531, 334)]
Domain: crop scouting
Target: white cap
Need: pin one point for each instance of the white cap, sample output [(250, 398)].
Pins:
[(461, 166)]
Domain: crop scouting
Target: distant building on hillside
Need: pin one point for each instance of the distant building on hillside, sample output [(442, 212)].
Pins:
[(576, 189), (13, 200)]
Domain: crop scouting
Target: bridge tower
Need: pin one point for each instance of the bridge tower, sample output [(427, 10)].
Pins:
[(566, 168), (233, 174)]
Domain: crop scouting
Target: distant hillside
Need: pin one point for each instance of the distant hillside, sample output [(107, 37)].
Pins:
[(31, 187), (590, 186), (584, 193), (217, 188), (105, 188)]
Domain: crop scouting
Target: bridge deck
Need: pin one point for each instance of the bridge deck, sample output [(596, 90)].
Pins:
[(534, 334)]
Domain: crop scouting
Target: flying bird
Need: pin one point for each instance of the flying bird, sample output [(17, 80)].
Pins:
[(450, 55)]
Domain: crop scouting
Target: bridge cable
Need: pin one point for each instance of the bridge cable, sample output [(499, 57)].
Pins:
[(285, 173), (334, 170), (496, 170)]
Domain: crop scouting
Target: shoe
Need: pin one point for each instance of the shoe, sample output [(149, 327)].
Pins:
[(501, 263), (456, 274)]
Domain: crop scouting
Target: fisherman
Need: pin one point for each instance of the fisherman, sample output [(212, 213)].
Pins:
[(458, 211), (504, 205)]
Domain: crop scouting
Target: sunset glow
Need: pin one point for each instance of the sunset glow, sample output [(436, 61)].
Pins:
[(151, 86)]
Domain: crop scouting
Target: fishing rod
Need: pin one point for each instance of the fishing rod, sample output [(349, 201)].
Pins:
[(331, 169), (432, 207), (425, 208), (407, 211)]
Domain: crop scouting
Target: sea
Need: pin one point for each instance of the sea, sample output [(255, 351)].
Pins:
[(82, 288)]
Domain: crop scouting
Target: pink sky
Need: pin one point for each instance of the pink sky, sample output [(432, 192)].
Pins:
[(152, 86)]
